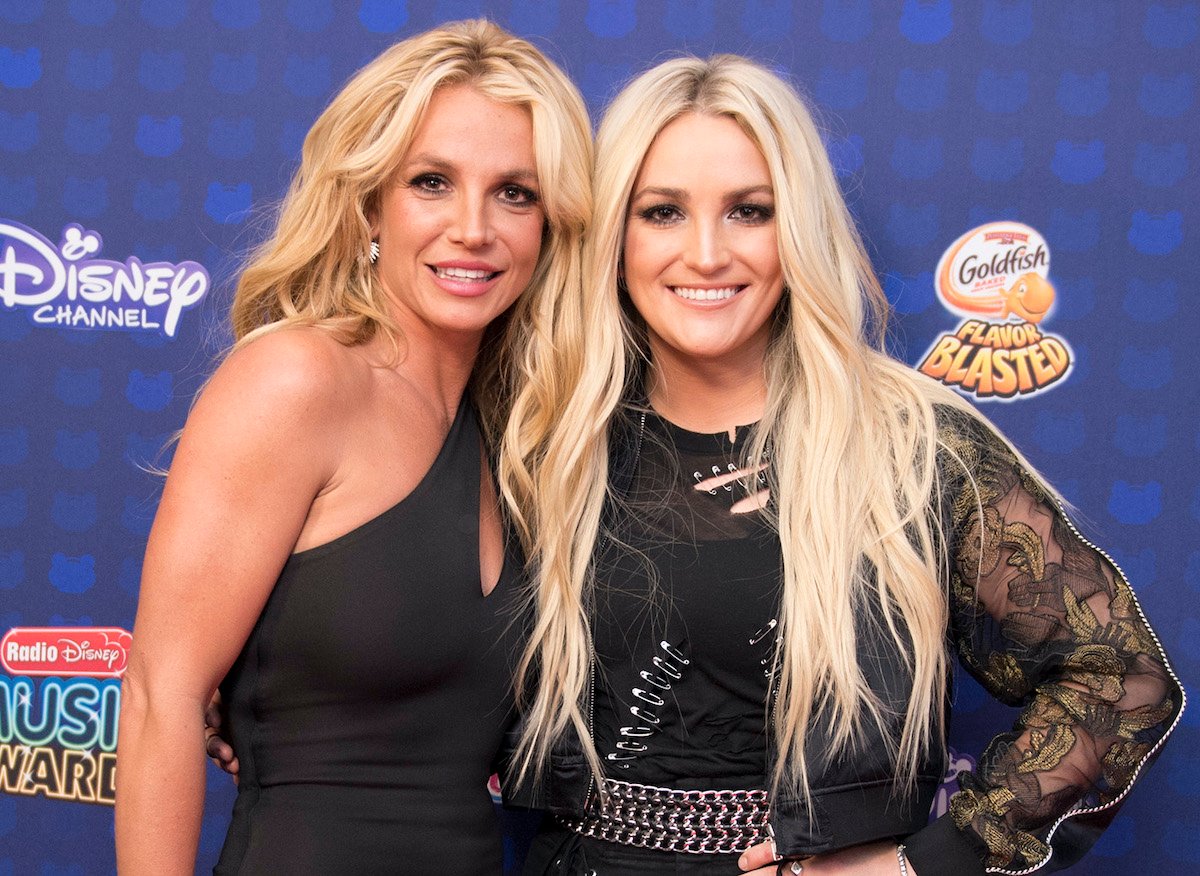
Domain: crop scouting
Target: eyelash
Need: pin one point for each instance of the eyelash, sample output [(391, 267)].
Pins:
[(759, 213), (422, 181), (654, 215), (528, 197), (524, 197)]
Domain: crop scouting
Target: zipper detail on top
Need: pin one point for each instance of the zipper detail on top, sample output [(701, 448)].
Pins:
[(591, 692)]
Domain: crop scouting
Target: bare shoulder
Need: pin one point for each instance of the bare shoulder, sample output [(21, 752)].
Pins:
[(302, 369), (287, 392)]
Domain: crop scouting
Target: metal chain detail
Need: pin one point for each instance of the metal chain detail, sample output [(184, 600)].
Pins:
[(670, 820)]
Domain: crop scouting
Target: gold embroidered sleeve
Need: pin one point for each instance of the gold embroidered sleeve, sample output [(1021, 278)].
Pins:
[(1045, 621)]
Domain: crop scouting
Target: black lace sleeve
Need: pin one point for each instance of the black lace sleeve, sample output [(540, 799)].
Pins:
[(1047, 622)]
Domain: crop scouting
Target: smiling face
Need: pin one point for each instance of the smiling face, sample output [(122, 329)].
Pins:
[(701, 257), (460, 226)]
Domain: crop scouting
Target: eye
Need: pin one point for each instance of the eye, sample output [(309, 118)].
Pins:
[(519, 196), (433, 183), (661, 214), (752, 214)]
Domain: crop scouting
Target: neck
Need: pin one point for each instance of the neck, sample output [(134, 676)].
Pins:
[(708, 396), (438, 364)]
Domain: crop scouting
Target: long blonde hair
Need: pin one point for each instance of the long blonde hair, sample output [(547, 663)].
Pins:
[(314, 269), (851, 432)]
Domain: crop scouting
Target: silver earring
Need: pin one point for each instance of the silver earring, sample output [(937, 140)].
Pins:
[(374, 251)]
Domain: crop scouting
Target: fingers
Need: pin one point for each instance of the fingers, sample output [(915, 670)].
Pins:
[(757, 856), (218, 749), (221, 754), (213, 712)]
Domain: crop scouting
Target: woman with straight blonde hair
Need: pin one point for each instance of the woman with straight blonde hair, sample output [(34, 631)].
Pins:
[(329, 541), (758, 537)]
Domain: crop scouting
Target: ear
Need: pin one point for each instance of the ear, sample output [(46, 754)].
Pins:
[(371, 212)]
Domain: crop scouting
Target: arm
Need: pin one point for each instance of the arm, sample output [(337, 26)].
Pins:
[(255, 452), (1046, 621)]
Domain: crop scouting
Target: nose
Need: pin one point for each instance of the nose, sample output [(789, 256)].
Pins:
[(707, 247), (471, 225)]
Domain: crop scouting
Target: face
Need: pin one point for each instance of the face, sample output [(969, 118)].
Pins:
[(701, 258), (460, 227)]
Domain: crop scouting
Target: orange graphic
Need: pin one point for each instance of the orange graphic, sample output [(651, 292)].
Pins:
[(998, 271), (1030, 298)]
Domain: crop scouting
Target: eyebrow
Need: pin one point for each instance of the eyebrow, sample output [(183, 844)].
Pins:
[(520, 174), (681, 195)]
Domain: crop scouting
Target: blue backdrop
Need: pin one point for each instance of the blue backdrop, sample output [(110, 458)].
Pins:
[(142, 143)]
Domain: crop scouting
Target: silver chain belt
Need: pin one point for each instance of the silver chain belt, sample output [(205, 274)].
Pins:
[(696, 822)]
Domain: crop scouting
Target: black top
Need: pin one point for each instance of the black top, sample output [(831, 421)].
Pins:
[(369, 701), (1038, 615), (684, 621)]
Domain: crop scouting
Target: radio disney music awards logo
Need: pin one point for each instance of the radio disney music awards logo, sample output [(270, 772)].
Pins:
[(68, 286), (59, 704), (996, 275)]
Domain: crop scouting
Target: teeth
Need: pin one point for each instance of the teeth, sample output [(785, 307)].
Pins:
[(462, 274), (705, 294)]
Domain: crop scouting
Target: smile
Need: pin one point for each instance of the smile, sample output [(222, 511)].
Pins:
[(691, 294), (464, 274)]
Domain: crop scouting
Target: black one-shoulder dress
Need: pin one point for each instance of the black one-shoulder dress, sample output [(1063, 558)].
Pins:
[(368, 703)]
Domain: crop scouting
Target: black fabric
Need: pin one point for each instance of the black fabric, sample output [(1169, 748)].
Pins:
[(559, 852), (368, 703), (1042, 618), (684, 616)]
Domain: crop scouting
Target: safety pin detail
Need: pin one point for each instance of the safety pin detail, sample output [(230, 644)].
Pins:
[(644, 715), (636, 731), (674, 653), (666, 668), (651, 678), (646, 696), (669, 668), (762, 634)]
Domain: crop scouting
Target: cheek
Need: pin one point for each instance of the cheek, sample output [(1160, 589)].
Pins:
[(409, 224), (764, 256), (644, 258), (525, 240)]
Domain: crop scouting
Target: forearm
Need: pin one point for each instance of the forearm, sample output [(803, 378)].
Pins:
[(1045, 620), (160, 784)]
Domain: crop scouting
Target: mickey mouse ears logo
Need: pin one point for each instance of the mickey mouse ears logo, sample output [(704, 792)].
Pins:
[(78, 244)]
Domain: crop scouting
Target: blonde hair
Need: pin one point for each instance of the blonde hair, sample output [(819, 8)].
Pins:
[(314, 269), (851, 432)]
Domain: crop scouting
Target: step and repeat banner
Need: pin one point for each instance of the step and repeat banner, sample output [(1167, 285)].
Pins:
[(1025, 173)]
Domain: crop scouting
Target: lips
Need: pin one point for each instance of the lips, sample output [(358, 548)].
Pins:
[(697, 293), (465, 279), (465, 274)]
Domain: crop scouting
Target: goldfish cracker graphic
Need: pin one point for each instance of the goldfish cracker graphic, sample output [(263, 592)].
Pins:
[(974, 272), (996, 276), (1030, 298)]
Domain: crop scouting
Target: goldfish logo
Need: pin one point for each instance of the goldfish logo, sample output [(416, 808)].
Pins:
[(996, 275)]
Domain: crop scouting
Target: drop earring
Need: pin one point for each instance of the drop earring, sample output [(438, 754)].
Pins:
[(374, 251)]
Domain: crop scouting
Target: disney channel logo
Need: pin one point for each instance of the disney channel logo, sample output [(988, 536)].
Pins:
[(95, 652), (68, 286)]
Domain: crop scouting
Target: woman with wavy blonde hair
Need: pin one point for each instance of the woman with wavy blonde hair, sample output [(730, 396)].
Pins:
[(756, 532), (329, 540)]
